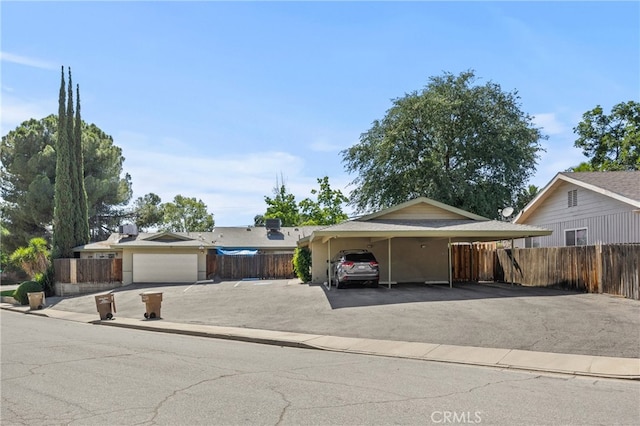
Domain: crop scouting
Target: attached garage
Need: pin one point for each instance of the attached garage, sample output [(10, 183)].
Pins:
[(174, 268)]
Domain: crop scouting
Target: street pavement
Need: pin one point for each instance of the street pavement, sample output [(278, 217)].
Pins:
[(491, 324)]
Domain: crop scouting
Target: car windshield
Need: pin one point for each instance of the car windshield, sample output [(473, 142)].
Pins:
[(359, 257)]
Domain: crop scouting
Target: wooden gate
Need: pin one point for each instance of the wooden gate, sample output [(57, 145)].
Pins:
[(259, 266)]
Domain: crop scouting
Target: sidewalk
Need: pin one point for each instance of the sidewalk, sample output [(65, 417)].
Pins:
[(579, 365)]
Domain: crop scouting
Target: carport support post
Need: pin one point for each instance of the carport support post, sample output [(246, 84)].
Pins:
[(450, 264), (512, 260), (329, 263), (389, 250)]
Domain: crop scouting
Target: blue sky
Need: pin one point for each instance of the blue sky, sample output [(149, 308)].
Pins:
[(217, 100)]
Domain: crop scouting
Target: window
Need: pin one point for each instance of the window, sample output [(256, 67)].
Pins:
[(572, 198), (530, 242), (576, 237)]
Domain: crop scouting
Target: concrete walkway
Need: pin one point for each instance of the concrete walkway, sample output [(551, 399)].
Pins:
[(579, 365)]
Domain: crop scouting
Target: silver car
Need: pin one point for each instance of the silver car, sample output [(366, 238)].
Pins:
[(358, 266)]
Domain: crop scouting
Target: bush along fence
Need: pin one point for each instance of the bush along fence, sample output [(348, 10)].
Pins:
[(612, 268), (259, 266)]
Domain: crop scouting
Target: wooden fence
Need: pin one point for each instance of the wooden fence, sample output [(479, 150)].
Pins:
[(612, 268), (88, 270), (263, 266)]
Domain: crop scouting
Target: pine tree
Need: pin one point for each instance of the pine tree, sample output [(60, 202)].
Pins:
[(63, 234)]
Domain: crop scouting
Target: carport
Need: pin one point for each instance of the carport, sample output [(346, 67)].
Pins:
[(412, 241)]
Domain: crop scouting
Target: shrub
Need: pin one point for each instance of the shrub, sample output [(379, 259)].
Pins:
[(302, 263), (47, 280), (26, 287)]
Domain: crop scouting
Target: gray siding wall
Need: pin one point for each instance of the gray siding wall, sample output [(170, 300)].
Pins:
[(607, 220)]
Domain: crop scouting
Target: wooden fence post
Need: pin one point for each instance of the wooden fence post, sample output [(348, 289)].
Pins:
[(599, 266)]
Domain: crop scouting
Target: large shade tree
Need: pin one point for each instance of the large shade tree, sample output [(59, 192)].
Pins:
[(28, 177), (610, 141), (464, 144), (186, 214)]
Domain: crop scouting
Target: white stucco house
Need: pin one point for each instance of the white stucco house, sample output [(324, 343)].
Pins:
[(585, 208)]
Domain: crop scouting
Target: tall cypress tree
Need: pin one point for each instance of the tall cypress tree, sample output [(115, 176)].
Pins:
[(63, 235), (82, 225), (73, 161)]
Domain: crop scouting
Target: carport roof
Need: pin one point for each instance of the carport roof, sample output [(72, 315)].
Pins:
[(462, 230), (426, 218)]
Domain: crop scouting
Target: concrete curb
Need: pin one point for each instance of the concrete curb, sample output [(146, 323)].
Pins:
[(575, 365)]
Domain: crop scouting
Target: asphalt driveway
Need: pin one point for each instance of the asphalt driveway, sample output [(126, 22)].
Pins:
[(484, 315)]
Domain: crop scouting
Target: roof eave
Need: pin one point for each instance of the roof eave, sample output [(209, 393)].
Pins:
[(498, 234)]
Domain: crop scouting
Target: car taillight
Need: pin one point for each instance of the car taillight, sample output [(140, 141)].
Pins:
[(347, 263), (373, 263)]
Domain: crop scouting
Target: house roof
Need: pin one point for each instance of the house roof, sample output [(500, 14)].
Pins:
[(622, 186), (424, 201), (451, 222), (222, 237)]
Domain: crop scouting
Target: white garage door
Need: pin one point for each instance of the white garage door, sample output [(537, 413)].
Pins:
[(165, 268)]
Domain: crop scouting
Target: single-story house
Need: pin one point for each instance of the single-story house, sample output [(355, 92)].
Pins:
[(585, 208), (182, 256), (411, 241)]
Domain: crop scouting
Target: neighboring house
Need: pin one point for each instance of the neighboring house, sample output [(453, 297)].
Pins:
[(585, 208), (182, 256), (411, 241)]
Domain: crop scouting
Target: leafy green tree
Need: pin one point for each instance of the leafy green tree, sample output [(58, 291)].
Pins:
[(186, 215), (4, 255), (258, 220), (148, 212), (34, 258), (612, 142), (466, 145), (28, 176), (327, 209), (63, 212), (582, 167), (282, 206), (525, 196)]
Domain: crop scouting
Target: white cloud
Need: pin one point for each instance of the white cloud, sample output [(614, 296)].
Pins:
[(14, 111), (26, 61), (323, 145), (232, 186), (550, 123)]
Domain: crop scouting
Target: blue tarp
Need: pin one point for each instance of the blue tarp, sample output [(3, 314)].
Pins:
[(237, 252)]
